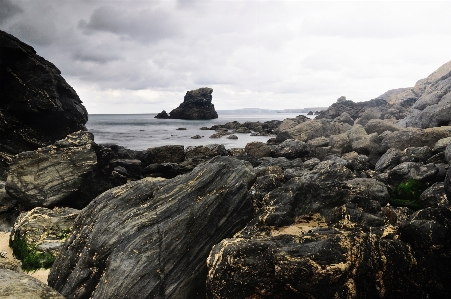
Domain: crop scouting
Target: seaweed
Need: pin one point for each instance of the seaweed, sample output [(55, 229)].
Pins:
[(31, 258), (407, 194)]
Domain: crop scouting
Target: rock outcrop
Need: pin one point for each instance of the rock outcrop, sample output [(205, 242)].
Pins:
[(63, 174), (19, 285), (196, 105), (433, 108), (151, 238), (37, 106)]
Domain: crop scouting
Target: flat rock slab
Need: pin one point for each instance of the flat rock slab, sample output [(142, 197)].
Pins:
[(151, 238), (19, 285)]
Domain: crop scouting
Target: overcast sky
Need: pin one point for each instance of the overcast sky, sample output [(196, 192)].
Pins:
[(142, 56)]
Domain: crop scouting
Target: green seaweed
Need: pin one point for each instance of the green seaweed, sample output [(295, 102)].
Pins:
[(407, 194), (31, 258)]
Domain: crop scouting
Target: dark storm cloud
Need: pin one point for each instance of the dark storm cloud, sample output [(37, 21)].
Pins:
[(145, 25), (8, 10), (41, 35)]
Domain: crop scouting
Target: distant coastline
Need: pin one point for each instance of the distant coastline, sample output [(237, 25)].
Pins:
[(259, 110)]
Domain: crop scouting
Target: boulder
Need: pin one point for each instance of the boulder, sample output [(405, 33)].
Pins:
[(380, 125), (155, 234), (416, 154), (433, 108), (163, 154), (414, 137), (390, 159), (57, 174), (289, 123), (19, 285), (258, 149), (204, 152), (38, 107), (313, 129), (196, 105), (345, 118), (42, 231), (434, 196), (291, 148)]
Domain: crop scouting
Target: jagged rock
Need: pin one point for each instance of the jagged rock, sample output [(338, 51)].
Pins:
[(441, 144), (339, 143), (416, 154), (163, 114), (8, 209), (388, 160), (367, 144), (318, 142), (282, 162), (205, 152), (132, 167), (380, 125), (10, 264), (434, 196), (43, 229), (236, 151), (20, 285), (258, 149), (38, 107), (413, 137), (369, 114), (57, 174), (157, 234), (433, 108), (289, 123), (196, 105), (291, 149)]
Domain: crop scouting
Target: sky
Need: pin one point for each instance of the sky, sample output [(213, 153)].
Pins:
[(142, 56)]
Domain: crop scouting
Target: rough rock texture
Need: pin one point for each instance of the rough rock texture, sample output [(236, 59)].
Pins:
[(311, 129), (413, 137), (258, 149), (8, 209), (19, 285), (55, 174), (38, 107), (196, 105), (379, 126), (47, 229), (150, 239), (433, 108)]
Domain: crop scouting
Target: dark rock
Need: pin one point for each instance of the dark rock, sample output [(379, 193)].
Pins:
[(345, 118), (196, 105), (163, 114), (447, 183), (38, 107), (258, 149), (413, 137), (388, 160), (310, 113), (434, 196), (448, 153), (412, 170), (312, 129), (64, 173), (157, 234), (163, 154), (205, 151), (196, 137), (289, 123), (9, 209), (232, 137), (416, 154), (181, 129), (242, 130), (282, 162), (132, 167), (19, 285), (319, 141), (291, 149)]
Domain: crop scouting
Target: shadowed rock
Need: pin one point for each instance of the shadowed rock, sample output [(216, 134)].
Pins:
[(150, 239)]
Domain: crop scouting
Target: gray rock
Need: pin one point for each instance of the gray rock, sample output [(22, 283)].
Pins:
[(319, 141), (367, 144), (156, 234), (345, 118), (416, 154), (46, 229), (388, 160), (433, 108), (340, 143), (204, 152), (412, 170), (232, 137), (380, 125), (20, 285), (367, 189), (413, 137), (448, 153), (313, 129), (196, 137), (369, 114), (54, 174), (242, 130)]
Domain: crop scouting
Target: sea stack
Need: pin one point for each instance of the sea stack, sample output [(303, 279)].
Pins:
[(196, 105)]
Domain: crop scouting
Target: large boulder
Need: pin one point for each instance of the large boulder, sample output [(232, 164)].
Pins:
[(414, 137), (150, 239), (19, 285), (307, 130), (62, 173), (38, 106), (433, 108), (196, 105)]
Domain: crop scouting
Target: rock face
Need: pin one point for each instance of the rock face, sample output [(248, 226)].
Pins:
[(196, 105), (155, 234), (38, 107), (55, 174), (433, 108), (19, 285)]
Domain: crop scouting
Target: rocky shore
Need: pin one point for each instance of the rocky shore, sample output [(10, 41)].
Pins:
[(352, 204)]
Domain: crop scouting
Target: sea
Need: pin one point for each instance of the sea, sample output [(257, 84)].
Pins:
[(143, 131)]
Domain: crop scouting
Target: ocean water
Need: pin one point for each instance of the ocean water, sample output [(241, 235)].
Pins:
[(142, 131)]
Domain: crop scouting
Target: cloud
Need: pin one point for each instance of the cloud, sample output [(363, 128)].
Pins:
[(8, 10), (146, 25), (35, 32)]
